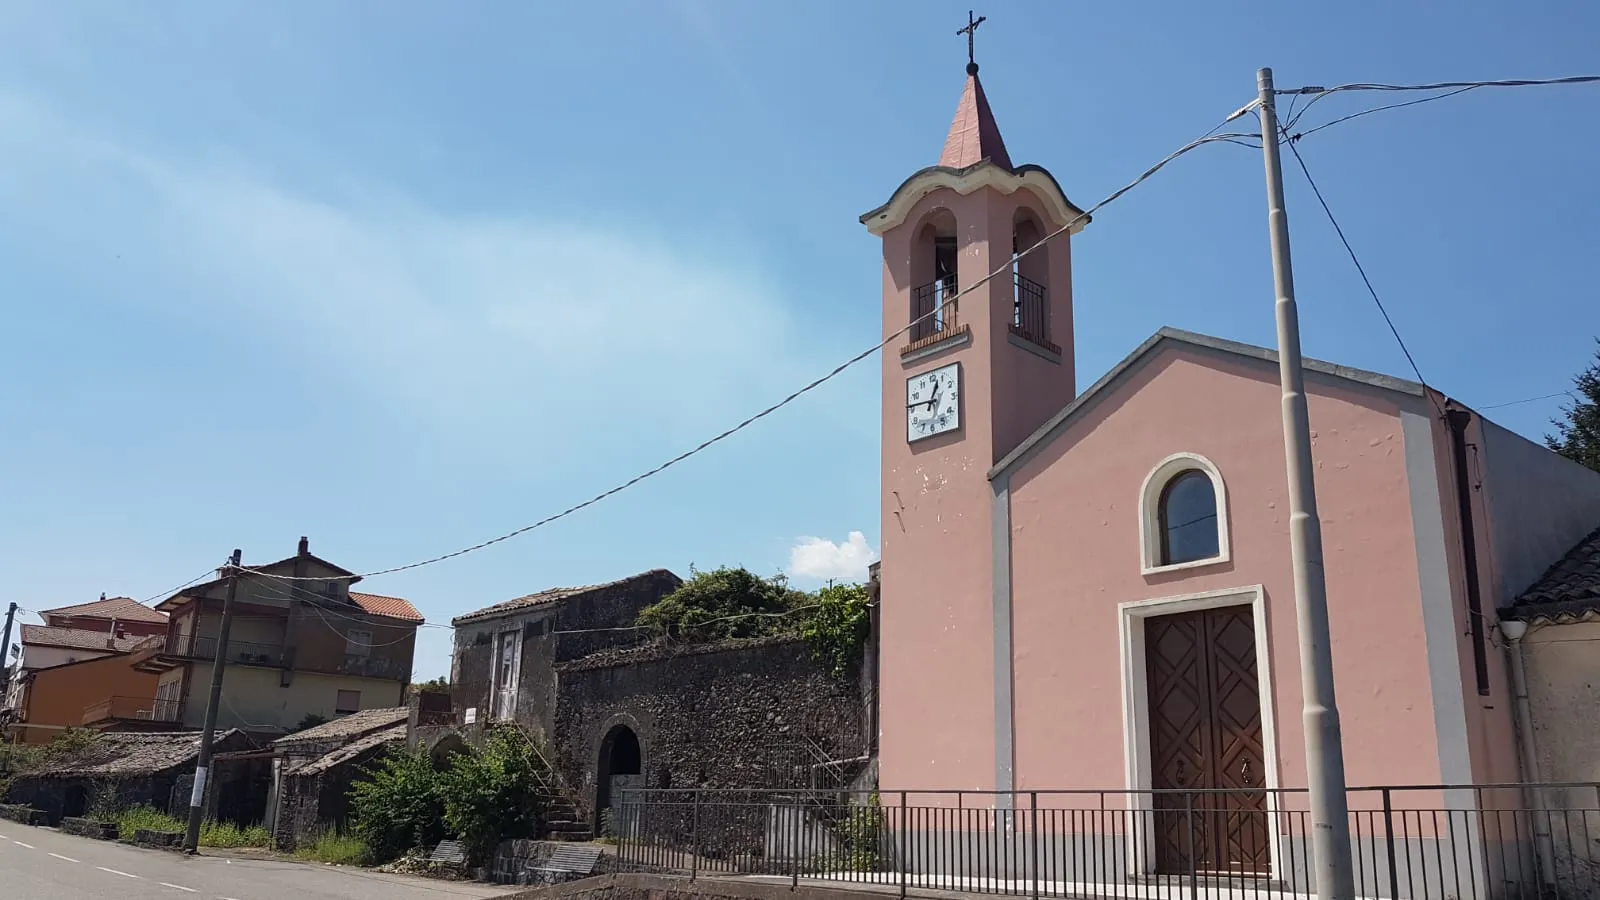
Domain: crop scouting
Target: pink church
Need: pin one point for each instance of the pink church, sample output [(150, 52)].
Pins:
[(1089, 594)]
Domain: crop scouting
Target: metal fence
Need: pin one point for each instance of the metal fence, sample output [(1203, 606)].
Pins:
[(1482, 842)]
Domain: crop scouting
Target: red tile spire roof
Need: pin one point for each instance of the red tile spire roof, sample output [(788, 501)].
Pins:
[(974, 136)]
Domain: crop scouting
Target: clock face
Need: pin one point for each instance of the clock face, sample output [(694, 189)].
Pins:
[(933, 402)]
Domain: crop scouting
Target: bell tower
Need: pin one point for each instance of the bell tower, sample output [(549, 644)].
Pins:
[(982, 356)]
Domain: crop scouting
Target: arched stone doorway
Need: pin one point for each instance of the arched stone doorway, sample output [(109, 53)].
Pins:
[(621, 762)]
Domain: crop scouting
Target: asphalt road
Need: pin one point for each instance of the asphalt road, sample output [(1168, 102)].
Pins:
[(41, 864)]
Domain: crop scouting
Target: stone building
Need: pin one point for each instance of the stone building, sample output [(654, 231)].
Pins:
[(619, 712), (312, 771), (119, 770)]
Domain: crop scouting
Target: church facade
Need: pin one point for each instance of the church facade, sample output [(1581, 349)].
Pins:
[(1092, 591)]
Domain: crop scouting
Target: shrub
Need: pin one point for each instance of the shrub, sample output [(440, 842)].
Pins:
[(493, 792), (725, 603), (862, 833), (229, 835), (837, 628), (337, 847), (402, 806)]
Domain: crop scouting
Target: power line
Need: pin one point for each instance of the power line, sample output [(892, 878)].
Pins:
[(1452, 87), (1527, 400), (1359, 268), (1365, 112), (1209, 137)]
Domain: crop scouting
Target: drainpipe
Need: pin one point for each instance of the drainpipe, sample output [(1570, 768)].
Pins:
[(1534, 794), (1459, 420)]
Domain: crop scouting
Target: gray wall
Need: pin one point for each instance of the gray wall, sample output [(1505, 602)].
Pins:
[(1541, 505)]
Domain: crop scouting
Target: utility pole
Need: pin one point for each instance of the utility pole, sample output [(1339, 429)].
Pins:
[(202, 769), (5, 652), (1330, 817)]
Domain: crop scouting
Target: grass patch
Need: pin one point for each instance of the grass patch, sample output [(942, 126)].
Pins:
[(230, 836), (212, 834), (137, 817), (336, 847)]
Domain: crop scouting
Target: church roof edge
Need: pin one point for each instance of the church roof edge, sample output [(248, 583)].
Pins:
[(1047, 432)]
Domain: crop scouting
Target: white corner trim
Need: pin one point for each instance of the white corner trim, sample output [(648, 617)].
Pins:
[(1150, 513), (1136, 707), (1059, 208), (1446, 677)]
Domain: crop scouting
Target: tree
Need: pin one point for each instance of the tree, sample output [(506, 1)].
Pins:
[(838, 626), (493, 793), (1577, 436)]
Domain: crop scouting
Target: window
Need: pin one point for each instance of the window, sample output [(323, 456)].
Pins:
[(1183, 515), (357, 642), (1188, 514), (346, 703)]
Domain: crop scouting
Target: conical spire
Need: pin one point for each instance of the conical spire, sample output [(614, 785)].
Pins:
[(974, 136)]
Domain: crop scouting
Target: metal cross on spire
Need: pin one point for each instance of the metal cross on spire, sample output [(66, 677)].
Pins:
[(971, 31)]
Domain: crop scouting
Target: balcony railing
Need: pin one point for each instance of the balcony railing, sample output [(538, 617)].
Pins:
[(1030, 318), (131, 709), (243, 652), (933, 309)]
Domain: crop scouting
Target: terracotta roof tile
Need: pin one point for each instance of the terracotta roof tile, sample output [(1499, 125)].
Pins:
[(394, 736), (1570, 587), (78, 638), (125, 609), (974, 136), (389, 607), (133, 753)]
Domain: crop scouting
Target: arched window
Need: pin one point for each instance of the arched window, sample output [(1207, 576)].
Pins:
[(1188, 515), (1183, 515), (934, 276)]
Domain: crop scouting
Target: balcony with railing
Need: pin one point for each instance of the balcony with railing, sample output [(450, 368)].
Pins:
[(1030, 313), (113, 710), (240, 652), (933, 313)]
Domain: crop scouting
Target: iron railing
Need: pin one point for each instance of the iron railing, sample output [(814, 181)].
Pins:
[(131, 709), (1484, 842), (933, 309), (243, 652), (1029, 311)]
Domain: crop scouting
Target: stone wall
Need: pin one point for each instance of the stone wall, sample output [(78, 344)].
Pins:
[(546, 632), (738, 714)]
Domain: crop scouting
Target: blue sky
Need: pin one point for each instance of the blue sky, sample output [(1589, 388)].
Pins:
[(404, 280)]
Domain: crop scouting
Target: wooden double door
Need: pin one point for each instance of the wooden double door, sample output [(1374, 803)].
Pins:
[(1207, 760)]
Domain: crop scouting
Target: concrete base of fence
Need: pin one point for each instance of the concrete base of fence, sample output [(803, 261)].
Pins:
[(26, 815), (100, 831), (164, 840)]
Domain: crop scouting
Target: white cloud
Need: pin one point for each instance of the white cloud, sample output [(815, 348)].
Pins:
[(819, 559), (500, 327)]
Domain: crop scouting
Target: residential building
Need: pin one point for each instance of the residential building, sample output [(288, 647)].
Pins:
[(302, 644), (84, 631), (101, 692), (1094, 590)]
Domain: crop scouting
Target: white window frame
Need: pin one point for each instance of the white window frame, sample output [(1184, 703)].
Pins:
[(1150, 513), (357, 642)]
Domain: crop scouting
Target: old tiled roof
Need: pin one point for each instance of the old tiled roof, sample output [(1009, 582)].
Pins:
[(390, 607), (974, 136), (1567, 590), (78, 638), (353, 750), (550, 595), (124, 609), (132, 753), (346, 727)]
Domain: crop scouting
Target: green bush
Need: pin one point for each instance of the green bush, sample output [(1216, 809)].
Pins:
[(862, 833), (402, 806), (337, 847), (838, 626), (493, 793), (725, 603)]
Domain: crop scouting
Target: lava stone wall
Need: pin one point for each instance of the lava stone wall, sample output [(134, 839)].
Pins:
[(737, 714)]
